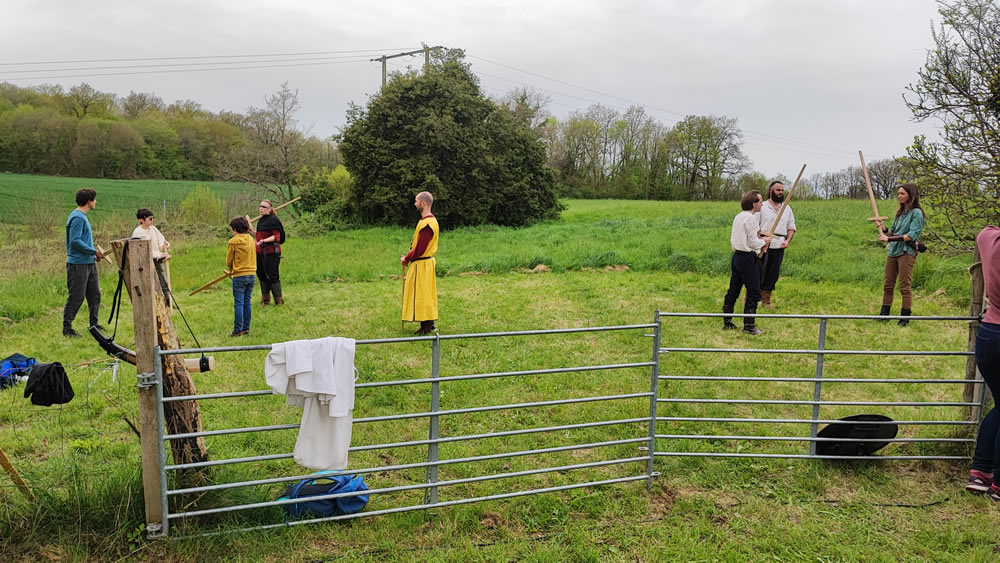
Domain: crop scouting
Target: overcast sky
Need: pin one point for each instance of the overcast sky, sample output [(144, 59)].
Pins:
[(811, 82)]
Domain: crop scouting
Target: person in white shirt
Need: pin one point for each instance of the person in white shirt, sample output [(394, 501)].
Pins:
[(747, 245), (158, 245), (784, 230)]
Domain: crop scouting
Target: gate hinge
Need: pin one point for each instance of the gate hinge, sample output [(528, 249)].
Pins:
[(146, 380)]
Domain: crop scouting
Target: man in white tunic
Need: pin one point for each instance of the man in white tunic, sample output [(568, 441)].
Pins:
[(747, 246), (784, 230)]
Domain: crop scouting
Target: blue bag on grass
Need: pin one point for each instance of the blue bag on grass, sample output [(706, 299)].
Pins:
[(13, 366), (326, 485)]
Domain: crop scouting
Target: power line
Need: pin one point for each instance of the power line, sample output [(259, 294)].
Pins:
[(352, 57), (752, 139), (176, 70), (204, 57), (757, 133)]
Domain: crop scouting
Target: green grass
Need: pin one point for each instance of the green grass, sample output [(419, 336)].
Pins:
[(82, 460), (25, 196)]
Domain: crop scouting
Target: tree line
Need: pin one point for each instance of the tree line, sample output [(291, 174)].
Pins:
[(86, 132)]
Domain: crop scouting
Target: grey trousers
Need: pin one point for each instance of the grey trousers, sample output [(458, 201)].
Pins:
[(82, 282)]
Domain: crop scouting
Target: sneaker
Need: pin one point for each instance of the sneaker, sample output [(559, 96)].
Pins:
[(70, 333), (245, 332), (236, 333), (728, 325), (979, 482), (752, 330), (994, 493)]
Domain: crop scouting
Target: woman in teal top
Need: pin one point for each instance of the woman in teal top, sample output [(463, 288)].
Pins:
[(902, 237)]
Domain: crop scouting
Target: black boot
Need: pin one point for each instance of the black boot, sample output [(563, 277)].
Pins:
[(426, 327), (884, 312), (904, 313), (748, 323), (276, 291), (727, 322)]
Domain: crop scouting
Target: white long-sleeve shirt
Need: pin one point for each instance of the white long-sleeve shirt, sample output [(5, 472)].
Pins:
[(157, 242), (787, 223), (743, 237), (317, 375)]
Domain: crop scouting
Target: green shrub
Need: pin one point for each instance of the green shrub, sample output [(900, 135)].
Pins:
[(201, 206)]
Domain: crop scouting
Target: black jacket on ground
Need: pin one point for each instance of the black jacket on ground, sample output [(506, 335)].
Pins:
[(48, 385)]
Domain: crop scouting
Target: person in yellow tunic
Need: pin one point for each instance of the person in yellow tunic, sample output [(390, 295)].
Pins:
[(420, 301)]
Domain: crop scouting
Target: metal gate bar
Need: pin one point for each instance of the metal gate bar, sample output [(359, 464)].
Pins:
[(821, 353), (431, 483)]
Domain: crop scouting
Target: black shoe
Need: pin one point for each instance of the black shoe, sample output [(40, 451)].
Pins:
[(426, 327), (728, 325), (101, 328), (236, 333), (70, 333), (904, 313), (752, 330), (884, 312)]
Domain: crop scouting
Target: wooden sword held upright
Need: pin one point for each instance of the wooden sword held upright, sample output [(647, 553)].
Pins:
[(871, 194), (784, 204)]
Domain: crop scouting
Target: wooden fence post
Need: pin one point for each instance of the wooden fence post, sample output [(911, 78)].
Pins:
[(973, 393), (142, 287)]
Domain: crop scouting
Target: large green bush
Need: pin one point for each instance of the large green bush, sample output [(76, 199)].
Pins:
[(437, 132)]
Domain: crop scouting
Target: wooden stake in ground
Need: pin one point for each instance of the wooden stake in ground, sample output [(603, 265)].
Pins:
[(871, 194), (15, 476)]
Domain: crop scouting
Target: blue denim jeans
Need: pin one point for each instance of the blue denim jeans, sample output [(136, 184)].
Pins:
[(987, 455), (242, 294)]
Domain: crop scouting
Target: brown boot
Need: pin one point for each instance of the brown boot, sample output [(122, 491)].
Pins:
[(265, 299), (765, 298)]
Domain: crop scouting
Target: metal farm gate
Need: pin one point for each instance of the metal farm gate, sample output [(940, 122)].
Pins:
[(621, 430)]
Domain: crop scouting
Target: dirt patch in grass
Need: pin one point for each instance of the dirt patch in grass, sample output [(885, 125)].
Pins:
[(538, 269)]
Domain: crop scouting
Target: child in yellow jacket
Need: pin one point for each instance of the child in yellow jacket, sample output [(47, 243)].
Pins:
[(241, 260)]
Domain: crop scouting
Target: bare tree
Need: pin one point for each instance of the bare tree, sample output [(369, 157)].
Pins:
[(528, 106), (137, 104), (273, 154), (886, 175)]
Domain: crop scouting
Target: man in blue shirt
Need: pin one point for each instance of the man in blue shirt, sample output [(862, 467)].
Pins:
[(81, 269)]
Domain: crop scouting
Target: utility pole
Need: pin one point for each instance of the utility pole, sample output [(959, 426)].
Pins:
[(427, 59)]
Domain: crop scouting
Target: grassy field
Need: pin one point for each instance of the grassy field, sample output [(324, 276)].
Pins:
[(605, 263), (23, 196)]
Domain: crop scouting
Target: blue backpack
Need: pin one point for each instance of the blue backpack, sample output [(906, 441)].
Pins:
[(12, 366), (334, 483)]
